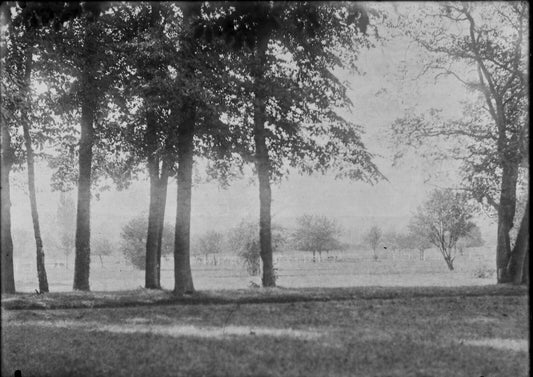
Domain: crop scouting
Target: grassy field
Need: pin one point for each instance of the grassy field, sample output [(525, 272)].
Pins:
[(295, 270), (437, 332)]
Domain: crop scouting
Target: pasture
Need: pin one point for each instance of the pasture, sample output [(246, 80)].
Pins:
[(294, 269)]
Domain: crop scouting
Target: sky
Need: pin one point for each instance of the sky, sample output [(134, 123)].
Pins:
[(379, 96)]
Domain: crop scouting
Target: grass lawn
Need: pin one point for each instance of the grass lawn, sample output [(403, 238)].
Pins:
[(471, 332)]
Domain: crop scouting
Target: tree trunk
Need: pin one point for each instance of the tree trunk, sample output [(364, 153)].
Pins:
[(6, 162), (163, 185), (515, 268), (101, 260), (8, 276), (506, 212), (153, 212), (262, 164), (182, 264), (449, 263), (89, 93), (41, 270)]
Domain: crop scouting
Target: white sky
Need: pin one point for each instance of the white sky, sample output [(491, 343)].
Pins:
[(357, 206)]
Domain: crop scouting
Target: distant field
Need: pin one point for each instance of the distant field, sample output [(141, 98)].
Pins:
[(294, 269)]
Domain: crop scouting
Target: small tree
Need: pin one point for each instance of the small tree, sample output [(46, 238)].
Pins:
[(443, 219), (244, 241), (101, 246), (133, 243), (316, 234), (414, 241), (373, 238), (210, 243), (66, 221)]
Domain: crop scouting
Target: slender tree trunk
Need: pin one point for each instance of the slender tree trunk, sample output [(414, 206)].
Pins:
[(515, 268), (41, 270), (506, 212), (82, 257), (182, 264), (262, 164), (6, 163)]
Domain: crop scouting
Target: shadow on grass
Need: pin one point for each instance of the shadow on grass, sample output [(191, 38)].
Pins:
[(146, 297)]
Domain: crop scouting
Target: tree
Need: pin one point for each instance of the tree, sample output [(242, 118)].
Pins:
[(101, 246), (493, 38), (413, 240), (443, 219), (316, 234), (133, 241), (7, 160), (373, 238), (22, 51), (472, 239), (244, 241), (211, 243), (291, 111), (66, 222)]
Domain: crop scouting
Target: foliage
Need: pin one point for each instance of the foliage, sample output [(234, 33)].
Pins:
[(209, 243), (244, 241), (443, 219), (373, 237), (133, 241), (305, 43), (316, 234), (66, 223)]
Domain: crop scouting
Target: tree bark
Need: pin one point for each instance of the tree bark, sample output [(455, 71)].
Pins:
[(262, 164), (182, 264), (163, 185), (506, 212), (41, 270), (153, 212), (6, 163), (517, 261), (8, 276), (89, 93)]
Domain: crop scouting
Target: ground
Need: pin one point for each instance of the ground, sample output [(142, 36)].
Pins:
[(437, 332), (294, 269)]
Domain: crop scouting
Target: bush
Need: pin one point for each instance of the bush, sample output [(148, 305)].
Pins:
[(484, 272), (244, 241), (133, 244)]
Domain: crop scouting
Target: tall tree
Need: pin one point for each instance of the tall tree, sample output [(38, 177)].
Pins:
[(7, 159), (492, 37), (292, 100)]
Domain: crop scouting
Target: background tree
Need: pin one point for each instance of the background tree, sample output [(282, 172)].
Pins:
[(472, 239), (316, 234), (443, 219), (210, 243), (101, 246), (413, 240), (244, 241), (66, 223), (373, 238), (133, 241), (493, 39)]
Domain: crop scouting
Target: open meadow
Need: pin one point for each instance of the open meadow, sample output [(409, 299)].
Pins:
[(294, 270)]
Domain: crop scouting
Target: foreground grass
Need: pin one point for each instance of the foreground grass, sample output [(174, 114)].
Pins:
[(140, 297), (460, 332)]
